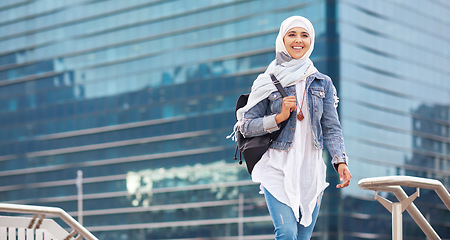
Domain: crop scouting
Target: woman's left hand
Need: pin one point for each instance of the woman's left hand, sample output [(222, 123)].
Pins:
[(344, 175)]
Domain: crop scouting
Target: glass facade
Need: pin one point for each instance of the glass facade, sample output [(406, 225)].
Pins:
[(140, 95), (395, 102)]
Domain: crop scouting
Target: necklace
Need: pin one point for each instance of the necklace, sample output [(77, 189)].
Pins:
[(300, 115)]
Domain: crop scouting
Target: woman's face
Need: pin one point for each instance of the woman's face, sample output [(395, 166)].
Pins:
[(297, 42)]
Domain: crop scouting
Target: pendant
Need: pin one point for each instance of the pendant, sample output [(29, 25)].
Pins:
[(300, 115)]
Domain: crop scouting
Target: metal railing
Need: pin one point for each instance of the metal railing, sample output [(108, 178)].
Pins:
[(393, 184), (39, 227)]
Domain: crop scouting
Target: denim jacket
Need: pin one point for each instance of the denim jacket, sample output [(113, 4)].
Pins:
[(321, 101)]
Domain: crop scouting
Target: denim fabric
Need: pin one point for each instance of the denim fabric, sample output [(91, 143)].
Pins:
[(286, 226), (321, 100)]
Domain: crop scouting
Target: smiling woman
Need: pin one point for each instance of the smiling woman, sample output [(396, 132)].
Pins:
[(292, 172)]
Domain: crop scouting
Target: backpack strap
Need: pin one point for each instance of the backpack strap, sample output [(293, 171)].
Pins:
[(278, 85), (283, 93)]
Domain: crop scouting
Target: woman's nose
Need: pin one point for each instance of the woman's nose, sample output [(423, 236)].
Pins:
[(298, 39)]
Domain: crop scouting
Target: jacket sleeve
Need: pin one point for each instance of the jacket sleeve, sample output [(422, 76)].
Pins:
[(332, 130), (256, 122)]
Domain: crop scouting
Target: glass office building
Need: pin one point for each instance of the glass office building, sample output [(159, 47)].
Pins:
[(140, 96), (395, 92)]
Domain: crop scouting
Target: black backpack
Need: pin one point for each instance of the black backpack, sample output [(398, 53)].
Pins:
[(253, 148)]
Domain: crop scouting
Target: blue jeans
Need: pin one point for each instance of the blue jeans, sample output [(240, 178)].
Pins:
[(286, 226)]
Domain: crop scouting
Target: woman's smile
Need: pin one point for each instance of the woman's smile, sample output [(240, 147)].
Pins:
[(297, 42), (297, 48)]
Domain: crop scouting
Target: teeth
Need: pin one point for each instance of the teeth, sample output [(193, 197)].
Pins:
[(297, 47)]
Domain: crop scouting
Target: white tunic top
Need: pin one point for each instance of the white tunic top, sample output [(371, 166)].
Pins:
[(298, 176)]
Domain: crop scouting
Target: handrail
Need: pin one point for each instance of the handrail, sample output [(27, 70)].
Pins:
[(408, 181), (69, 220), (393, 184)]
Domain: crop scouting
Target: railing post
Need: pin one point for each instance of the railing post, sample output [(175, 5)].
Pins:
[(241, 217), (397, 221), (79, 183), (397, 210)]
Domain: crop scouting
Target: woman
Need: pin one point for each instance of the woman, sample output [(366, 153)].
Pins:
[(292, 171)]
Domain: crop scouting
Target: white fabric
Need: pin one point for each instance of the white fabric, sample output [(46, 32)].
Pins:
[(286, 69), (298, 176)]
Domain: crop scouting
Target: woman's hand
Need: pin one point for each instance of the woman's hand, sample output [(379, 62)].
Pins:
[(289, 105), (344, 175)]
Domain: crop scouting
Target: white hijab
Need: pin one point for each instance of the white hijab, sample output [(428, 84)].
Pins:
[(285, 68)]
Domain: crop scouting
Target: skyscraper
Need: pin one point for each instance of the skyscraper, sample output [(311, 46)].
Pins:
[(395, 100), (140, 95)]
